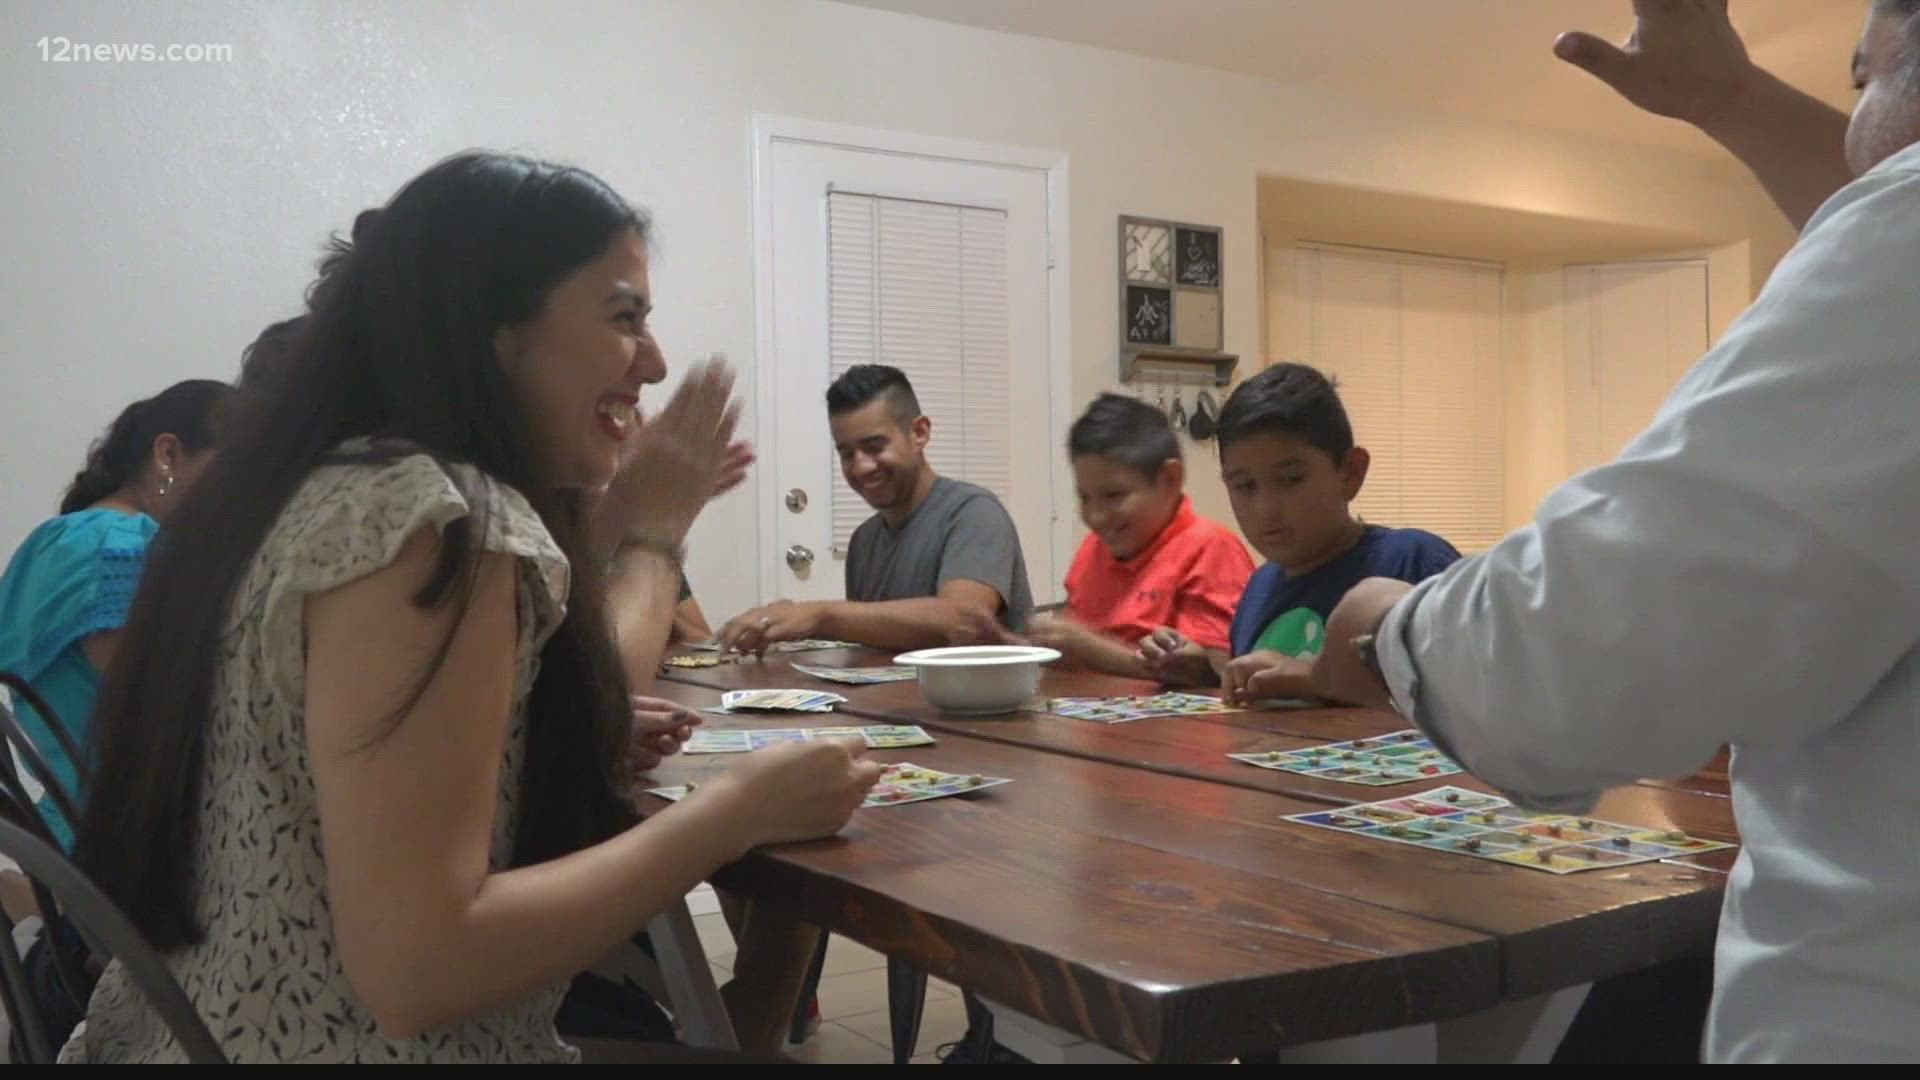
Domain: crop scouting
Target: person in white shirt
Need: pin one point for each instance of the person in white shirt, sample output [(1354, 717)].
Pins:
[(1746, 572)]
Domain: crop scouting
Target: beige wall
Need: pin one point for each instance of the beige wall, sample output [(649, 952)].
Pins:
[(1536, 362), (201, 193), (1533, 317)]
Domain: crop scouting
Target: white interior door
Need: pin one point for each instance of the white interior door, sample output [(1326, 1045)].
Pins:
[(1633, 329), (996, 216)]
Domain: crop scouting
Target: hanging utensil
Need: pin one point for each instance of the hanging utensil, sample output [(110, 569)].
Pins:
[(1179, 416), (1206, 417)]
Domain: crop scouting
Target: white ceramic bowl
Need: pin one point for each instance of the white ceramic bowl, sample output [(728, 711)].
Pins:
[(979, 679)]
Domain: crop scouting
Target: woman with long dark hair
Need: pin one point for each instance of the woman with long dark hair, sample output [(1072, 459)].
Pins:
[(66, 592), (369, 733)]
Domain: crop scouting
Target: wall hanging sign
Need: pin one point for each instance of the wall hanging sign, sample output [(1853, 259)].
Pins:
[(1170, 296)]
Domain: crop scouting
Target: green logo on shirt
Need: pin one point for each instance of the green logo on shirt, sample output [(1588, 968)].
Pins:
[(1298, 633)]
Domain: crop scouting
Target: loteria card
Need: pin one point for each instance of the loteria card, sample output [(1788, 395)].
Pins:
[(814, 701), (802, 645), (858, 676), (906, 782), (1466, 822), (1121, 710), (741, 740), (1398, 758), (903, 783)]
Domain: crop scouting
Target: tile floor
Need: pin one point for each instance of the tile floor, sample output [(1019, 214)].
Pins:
[(853, 1003)]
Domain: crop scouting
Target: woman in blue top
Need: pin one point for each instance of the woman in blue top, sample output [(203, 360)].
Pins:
[(65, 594)]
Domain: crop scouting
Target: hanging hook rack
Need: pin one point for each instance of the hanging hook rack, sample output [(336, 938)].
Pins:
[(1180, 370), (1185, 365)]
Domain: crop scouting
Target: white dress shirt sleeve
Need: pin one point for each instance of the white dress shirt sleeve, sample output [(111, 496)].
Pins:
[(1745, 572)]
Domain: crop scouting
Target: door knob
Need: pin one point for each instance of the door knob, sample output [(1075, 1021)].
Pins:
[(799, 557)]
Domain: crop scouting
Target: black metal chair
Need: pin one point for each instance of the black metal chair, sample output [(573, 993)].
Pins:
[(111, 934), (63, 799), (72, 962), (23, 690), (66, 898)]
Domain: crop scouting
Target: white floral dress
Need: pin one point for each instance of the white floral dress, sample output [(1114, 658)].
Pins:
[(267, 978)]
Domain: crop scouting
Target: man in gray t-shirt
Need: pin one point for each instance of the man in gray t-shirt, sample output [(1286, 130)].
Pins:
[(959, 532), (939, 555)]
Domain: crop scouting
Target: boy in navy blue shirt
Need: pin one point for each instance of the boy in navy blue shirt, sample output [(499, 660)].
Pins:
[(1291, 469)]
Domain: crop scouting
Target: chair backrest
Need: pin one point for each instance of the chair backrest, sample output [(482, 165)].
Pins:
[(72, 959), (70, 956), (24, 691), (30, 1036), (16, 736), (104, 924)]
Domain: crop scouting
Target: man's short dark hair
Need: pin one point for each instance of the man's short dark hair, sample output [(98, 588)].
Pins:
[(862, 383), (1292, 400), (1127, 430)]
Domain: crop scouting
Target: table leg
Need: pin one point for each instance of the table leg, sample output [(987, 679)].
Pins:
[(906, 1001), (695, 999), (1044, 1044), (1524, 1032)]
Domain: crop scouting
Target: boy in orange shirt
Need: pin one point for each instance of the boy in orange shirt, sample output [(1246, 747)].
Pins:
[(1149, 562)]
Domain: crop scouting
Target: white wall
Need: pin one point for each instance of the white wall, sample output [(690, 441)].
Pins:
[(158, 215)]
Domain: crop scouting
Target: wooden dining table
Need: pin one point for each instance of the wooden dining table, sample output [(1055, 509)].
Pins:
[(1137, 887)]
